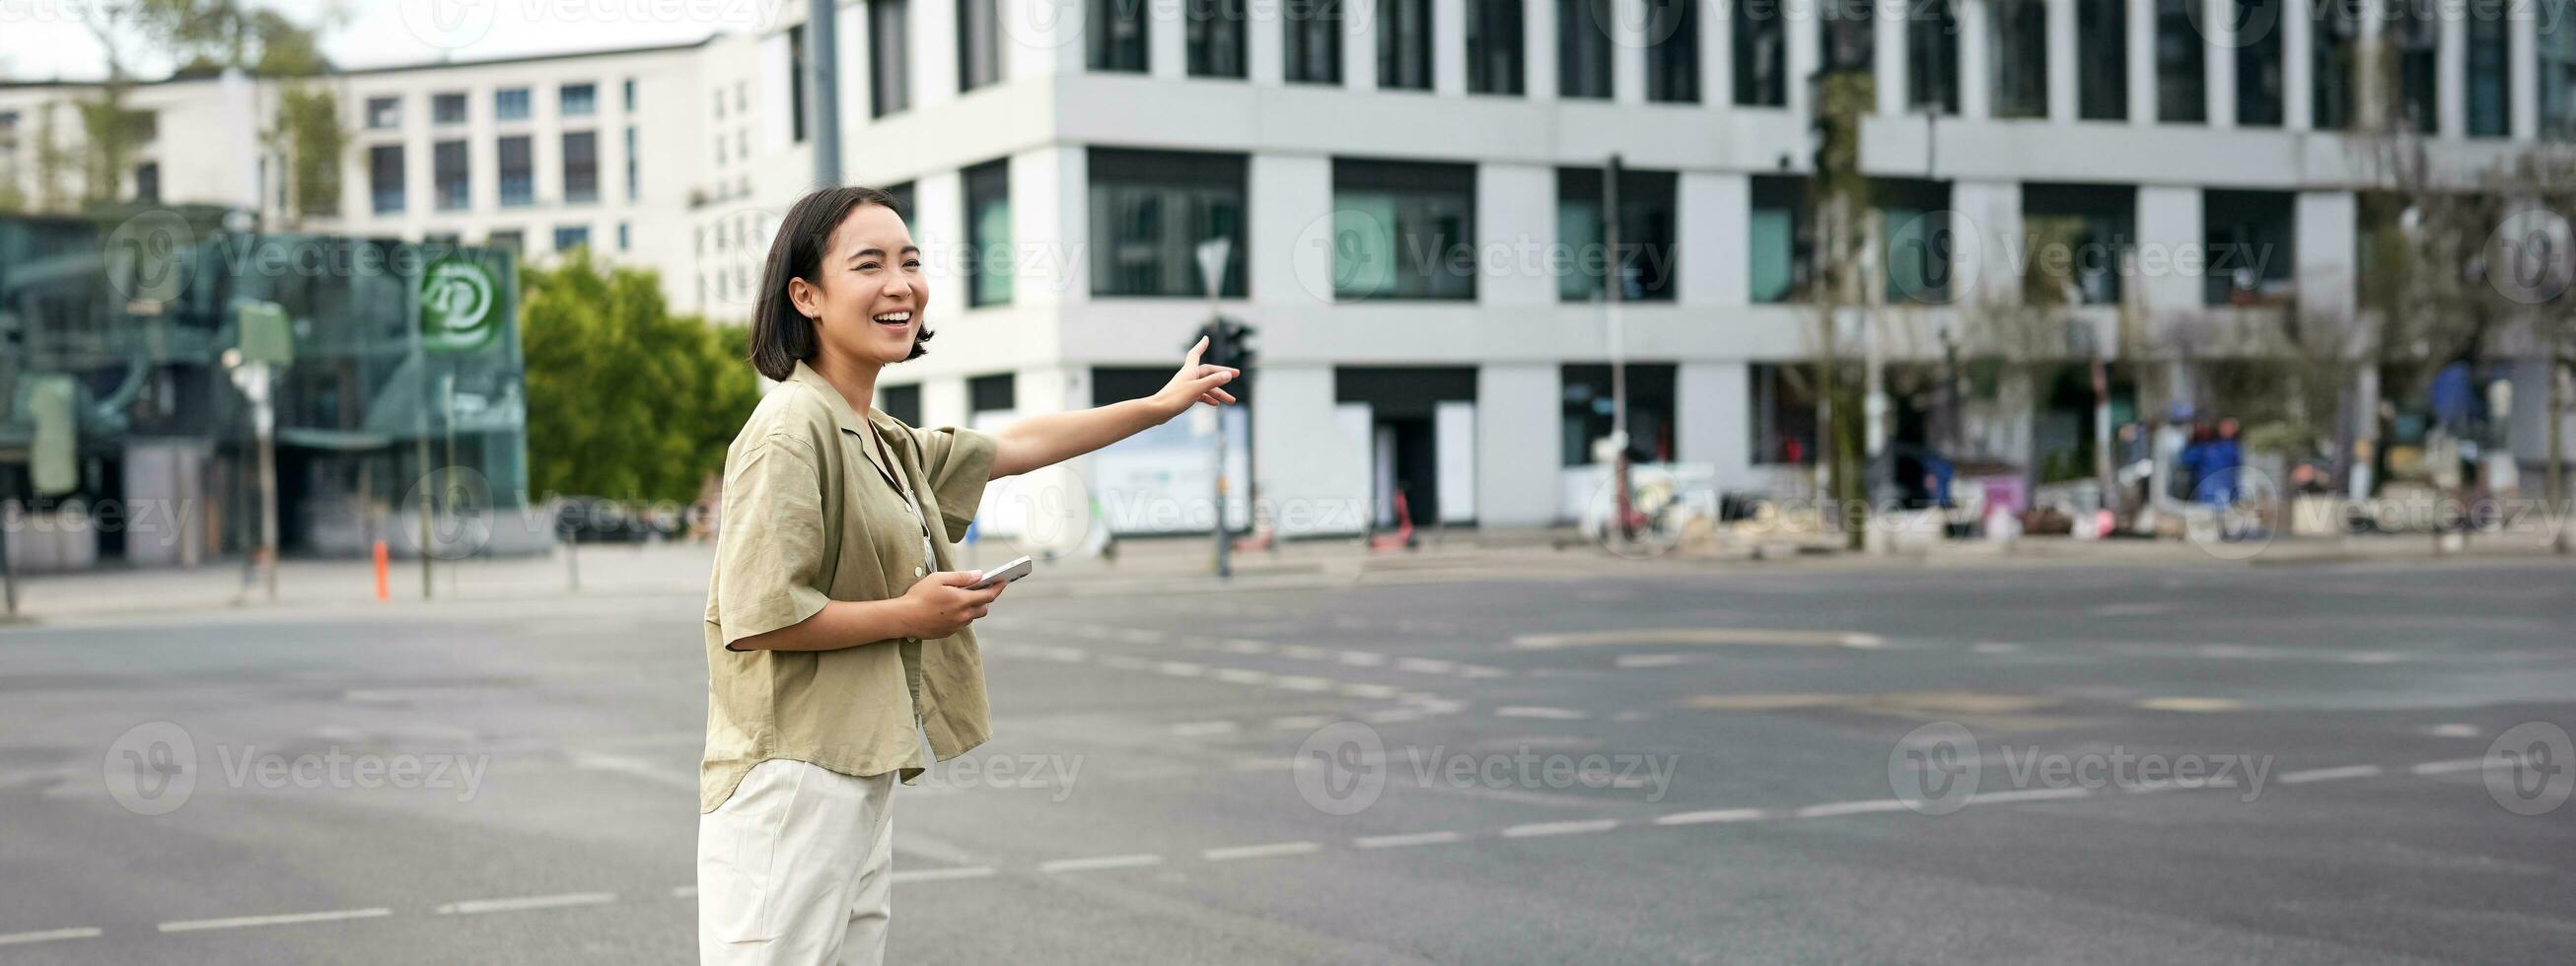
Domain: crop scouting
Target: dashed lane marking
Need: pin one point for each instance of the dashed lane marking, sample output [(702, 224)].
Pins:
[(1550, 714), (524, 903), (1194, 729), (288, 919), (1401, 841), (1758, 636), (2329, 774), (1231, 853), (1100, 862), (2460, 764), (1713, 815), (940, 875), (1832, 809), (2028, 795), (47, 935), (1576, 827)]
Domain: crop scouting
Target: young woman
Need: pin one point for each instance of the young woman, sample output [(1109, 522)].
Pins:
[(840, 642)]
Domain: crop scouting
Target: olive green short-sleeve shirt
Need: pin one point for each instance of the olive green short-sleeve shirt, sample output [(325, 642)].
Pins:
[(811, 515)]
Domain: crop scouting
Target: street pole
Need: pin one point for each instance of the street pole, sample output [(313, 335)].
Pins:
[(1213, 255), (1874, 405), (1615, 281), (2558, 379), (428, 501), (265, 416), (823, 88)]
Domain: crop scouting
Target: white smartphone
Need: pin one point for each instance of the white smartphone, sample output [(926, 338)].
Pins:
[(1016, 569)]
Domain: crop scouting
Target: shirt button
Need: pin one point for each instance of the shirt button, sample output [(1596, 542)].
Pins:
[(918, 572)]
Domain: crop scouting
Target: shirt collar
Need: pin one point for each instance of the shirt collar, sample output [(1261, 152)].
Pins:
[(888, 429)]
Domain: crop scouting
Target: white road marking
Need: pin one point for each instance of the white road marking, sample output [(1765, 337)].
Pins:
[(1193, 729), (48, 935), (2027, 795), (1301, 722), (2445, 767), (2328, 774), (1423, 664), (1713, 815), (1260, 851), (941, 875), (1369, 690), (1481, 671), (1529, 711), (1068, 655), (1181, 669), (1576, 827), (2453, 730), (1139, 636), (1243, 645), (523, 903), (1392, 716), (1361, 659), (1656, 660), (1236, 675), (684, 892), (2189, 704), (1832, 809), (1994, 647), (1302, 652), (1400, 841), (1300, 682), (634, 768), (1096, 863), (1703, 635), (240, 922), (2169, 784)]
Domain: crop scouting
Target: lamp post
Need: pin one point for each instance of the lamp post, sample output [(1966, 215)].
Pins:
[(1212, 255)]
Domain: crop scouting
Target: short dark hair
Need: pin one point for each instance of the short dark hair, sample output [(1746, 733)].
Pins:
[(781, 336)]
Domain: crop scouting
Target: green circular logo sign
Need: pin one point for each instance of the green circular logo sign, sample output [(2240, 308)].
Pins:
[(456, 306)]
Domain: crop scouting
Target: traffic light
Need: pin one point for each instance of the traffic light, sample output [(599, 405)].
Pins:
[(1229, 343)]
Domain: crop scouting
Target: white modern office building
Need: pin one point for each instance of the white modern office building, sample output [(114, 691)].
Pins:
[(1411, 188)]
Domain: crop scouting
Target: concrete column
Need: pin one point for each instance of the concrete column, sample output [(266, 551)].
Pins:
[(1888, 60), (2297, 69), (1988, 213), (2522, 64), (2451, 71), (1628, 51), (2327, 224), (1449, 47), (1713, 419), (1714, 253), (1538, 36), (1359, 44), (1167, 40), (1038, 39), (934, 53), (1315, 478), (2142, 61), (1289, 230), (1717, 54), (2218, 60), (1802, 54), (1518, 417), (1976, 87), (1264, 50), (943, 401), (1048, 195), (2171, 254), (2063, 104), (856, 84), (1516, 212)]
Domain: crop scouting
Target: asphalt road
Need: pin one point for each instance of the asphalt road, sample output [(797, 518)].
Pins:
[(1703, 767)]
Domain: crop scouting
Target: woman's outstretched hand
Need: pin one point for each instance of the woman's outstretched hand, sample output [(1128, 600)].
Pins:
[(1196, 382)]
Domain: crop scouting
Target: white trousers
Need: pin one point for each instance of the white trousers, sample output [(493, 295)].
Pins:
[(793, 868)]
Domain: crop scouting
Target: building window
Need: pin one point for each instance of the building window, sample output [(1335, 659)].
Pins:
[(1672, 51), (903, 403), (1496, 47), (2557, 80), (979, 43), (569, 237), (634, 166), (889, 57), (627, 97), (447, 109), (509, 240), (988, 233), (1776, 239), (625, 237), (1847, 37), (2415, 31), (1917, 233), (1784, 415), (2251, 246), (902, 194), (1583, 48), (1404, 45), (796, 65), (385, 178), (1149, 212), (510, 104), (1760, 41), (1932, 56), (2017, 33), (996, 393), (1312, 41), (579, 100), (1590, 402), (448, 177), (518, 172), (1116, 31), (2490, 76), (147, 182), (384, 113), (1404, 229), (2180, 94), (2079, 235), (720, 105), (1215, 32), (2259, 82), (2333, 48), (742, 95), (1644, 261), (2102, 60), (581, 167)]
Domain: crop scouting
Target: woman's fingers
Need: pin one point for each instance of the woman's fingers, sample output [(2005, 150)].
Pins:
[(1191, 360)]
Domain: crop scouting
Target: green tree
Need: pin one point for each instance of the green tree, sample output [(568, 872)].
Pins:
[(208, 36), (625, 400)]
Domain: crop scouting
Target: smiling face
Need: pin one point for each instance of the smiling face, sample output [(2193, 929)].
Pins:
[(867, 296)]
